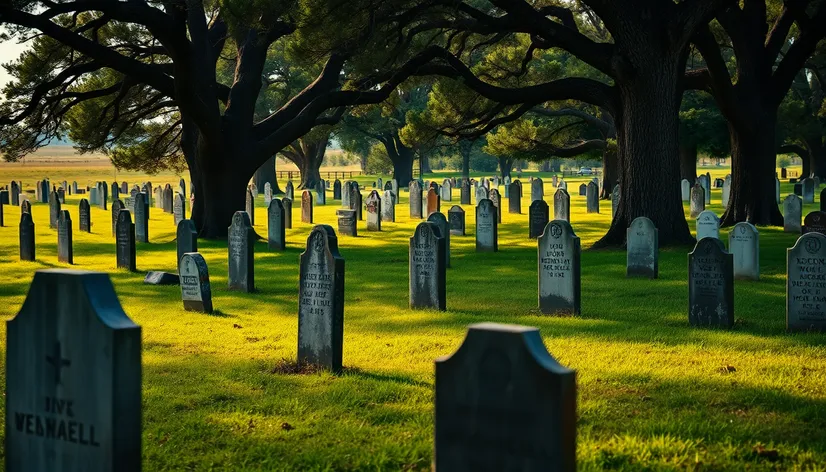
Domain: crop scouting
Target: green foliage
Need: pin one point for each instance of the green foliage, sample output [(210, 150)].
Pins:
[(702, 124), (377, 160), (783, 160)]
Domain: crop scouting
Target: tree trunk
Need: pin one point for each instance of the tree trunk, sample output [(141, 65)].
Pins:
[(817, 155), (505, 165), (647, 128), (545, 166), (688, 162), (402, 158), (425, 163), (310, 175), (220, 191), (609, 172), (266, 173), (754, 159)]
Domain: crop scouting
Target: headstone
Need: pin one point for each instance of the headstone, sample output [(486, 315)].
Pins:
[(125, 241), (141, 219), (379, 183), (777, 190), (496, 199), (643, 249), (250, 206), (288, 212), (158, 197), (116, 207), (440, 221), (592, 198), (583, 190), (427, 267), (798, 189), (433, 202), (276, 231), (289, 191), (240, 248), (345, 197), (44, 192), (726, 191), (337, 190), (685, 190), (178, 208), (446, 191), (355, 199), (320, 193), (186, 239), (514, 199), (15, 193), (562, 205), (267, 193), (456, 218), (744, 245), (504, 404), (710, 285), (196, 291), (415, 199), (538, 217), (464, 197), (708, 225), (537, 189), (54, 210), (124, 187), (395, 187), (65, 252), (697, 204), (792, 213), (253, 190), (182, 187), (815, 222), (321, 301), (808, 190), (707, 188), (487, 228), (306, 207), (388, 208), (167, 199), (559, 269), (615, 200), (482, 194), (73, 378), (805, 291), (373, 205), (347, 222), (555, 180), (115, 193), (103, 195), (61, 195), (27, 247)]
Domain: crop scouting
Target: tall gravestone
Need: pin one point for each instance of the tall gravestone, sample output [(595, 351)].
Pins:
[(288, 212), (320, 193), (496, 199), (583, 190), (347, 222), (446, 191), (196, 291), (427, 269), (792, 214), (125, 241), (456, 219), (777, 190), (355, 200), (186, 239), (306, 207), (487, 227), (388, 207), (708, 225), (250, 206), (115, 193), (744, 246), (592, 198), (158, 197), (54, 210), (276, 231), (15, 193), (643, 249), (337, 190), (482, 193), (815, 222), (178, 208), (93, 196), (537, 190), (267, 193), (685, 190), (373, 205), (415, 199), (464, 197), (117, 206), (289, 191), (73, 378), (345, 195), (433, 202), (503, 403), (562, 205), (103, 195), (697, 203), (61, 195), (558, 260), (808, 190), (141, 219), (805, 290), (726, 191), (26, 231), (26, 206), (440, 221), (124, 187), (514, 199), (710, 285), (538, 217), (65, 252), (321, 301), (240, 248)]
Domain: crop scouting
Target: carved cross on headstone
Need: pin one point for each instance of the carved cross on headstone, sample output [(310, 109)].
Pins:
[(57, 361)]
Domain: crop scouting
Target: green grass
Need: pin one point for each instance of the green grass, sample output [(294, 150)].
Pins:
[(654, 394)]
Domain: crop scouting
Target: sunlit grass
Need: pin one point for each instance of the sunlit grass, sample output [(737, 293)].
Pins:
[(654, 394)]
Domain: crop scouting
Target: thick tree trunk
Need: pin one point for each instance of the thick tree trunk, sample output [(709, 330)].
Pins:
[(610, 176), (688, 162), (220, 191), (647, 149), (753, 155), (310, 174), (266, 173), (425, 163), (545, 166), (402, 158), (505, 165), (817, 155)]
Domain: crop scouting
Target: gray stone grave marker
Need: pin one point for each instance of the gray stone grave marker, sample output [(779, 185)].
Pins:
[(744, 245), (643, 249), (562, 205), (117, 206), (537, 190), (196, 291), (416, 199), (697, 203), (792, 214), (141, 219), (558, 260), (427, 269), (805, 291), (444, 229), (708, 225), (65, 252), (186, 239), (373, 204), (288, 212), (487, 228), (240, 248), (710, 285), (27, 247), (306, 207), (592, 198), (456, 218), (125, 241), (538, 217), (276, 231)]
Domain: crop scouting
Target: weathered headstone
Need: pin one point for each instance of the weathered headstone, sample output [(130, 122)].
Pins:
[(54, 210), (85, 216), (710, 285), (464, 197), (103, 195), (167, 198), (276, 231), (117, 206), (433, 202), (558, 260), (141, 219), (537, 189), (538, 217), (288, 212), (355, 200), (487, 227), (562, 205), (124, 187), (514, 198), (125, 241), (289, 191), (583, 190), (250, 206), (321, 301), (73, 378), (440, 221), (61, 195), (697, 203), (592, 198), (456, 218), (416, 199), (708, 225), (320, 193), (193, 274), (685, 190), (643, 249), (158, 197), (482, 194), (388, 207), (240, 248), (337, 190), (373, 205), (65, 252), (347, 222), (15, 190), (27, 247), (815, 222), (744, 246), (805, 290), (427, 267), (267, 193), (253, 190), (792, 213), (808, 190), (496, 199), (26, 206), (726, 191), (178, 208), (306, 207), (446, 191), (504, 404), (186, 239)]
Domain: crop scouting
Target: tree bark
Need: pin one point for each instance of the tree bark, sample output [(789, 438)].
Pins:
[(425, 163), (817, 155), (610, 174), (220, 191), (402, 158), (688, 162), (307, 154), (266, 173), (754, 159)]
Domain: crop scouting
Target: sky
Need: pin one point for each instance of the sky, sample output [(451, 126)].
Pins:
[(9, 50)]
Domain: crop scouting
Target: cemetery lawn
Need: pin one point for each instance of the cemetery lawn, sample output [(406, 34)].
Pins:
[(220, 391)]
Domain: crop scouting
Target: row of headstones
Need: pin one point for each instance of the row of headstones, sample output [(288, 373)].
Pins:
[(85, 408)]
